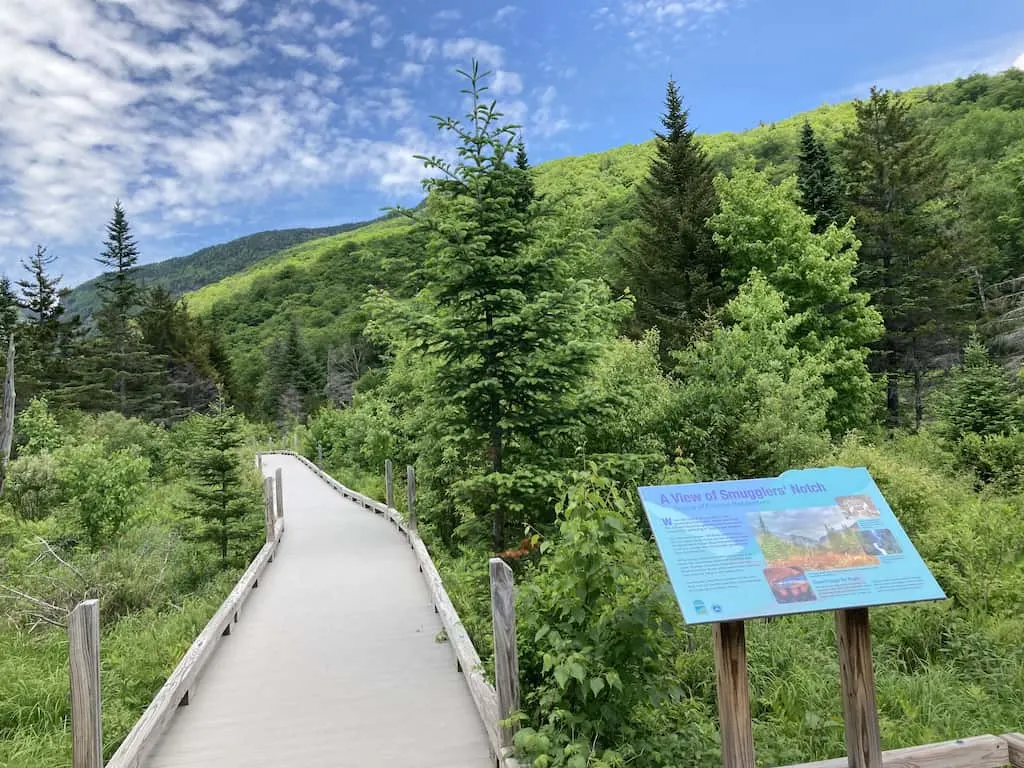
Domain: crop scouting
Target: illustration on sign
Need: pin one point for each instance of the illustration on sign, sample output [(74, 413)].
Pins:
[(808, 540)]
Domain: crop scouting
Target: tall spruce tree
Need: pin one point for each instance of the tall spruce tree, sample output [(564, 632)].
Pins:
[(48, 340), (9, 305), (820, 188), (136, 376), (895, 179), (673, 265), (507, 327)]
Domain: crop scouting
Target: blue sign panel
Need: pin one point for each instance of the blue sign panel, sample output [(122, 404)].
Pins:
[(807, 540)]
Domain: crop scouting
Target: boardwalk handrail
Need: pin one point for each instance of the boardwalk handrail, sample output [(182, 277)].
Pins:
[(182, 683), (467, 658)]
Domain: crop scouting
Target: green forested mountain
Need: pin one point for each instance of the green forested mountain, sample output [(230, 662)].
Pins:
[(207, 265), (978, 129)]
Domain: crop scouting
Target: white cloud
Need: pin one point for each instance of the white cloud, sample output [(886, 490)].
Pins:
[(378, 41), (449, 14), (505, 83), (331, 58), (343, 28), (504, 12), (411, 70), (1019, 62), (160, 103), (292, 18), (294, 51), (420, 47), (548, 118), (655, 26), (488, 54)]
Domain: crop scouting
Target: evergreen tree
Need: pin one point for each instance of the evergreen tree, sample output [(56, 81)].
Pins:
[(290, 380), (505, 325), (672, 265), (221, 498), (49, 342), (980, 397), (137, 378), (895, 179), (820, 189), (188, 348), (9, 305), (120, 256)]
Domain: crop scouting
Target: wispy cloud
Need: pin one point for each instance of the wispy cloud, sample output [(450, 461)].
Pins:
[(506, 83), (421, 48), (996, 56), (465, 48), (653, 24), (504, 12), (448, 14), (169, 105)]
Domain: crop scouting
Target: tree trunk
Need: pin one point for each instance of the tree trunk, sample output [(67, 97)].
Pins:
[(498, 518), (7, 415)]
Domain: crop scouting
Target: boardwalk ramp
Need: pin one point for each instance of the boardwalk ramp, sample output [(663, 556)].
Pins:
[(339, 660)]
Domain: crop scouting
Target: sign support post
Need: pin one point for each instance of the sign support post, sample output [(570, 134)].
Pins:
[(733, 694), (857, 676)]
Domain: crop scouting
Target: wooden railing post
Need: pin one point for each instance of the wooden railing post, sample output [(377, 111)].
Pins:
[(410, 479), (506, 654), (259, 461), (389, 484), (268, 507), (84, 652), (279, 488), (319, 454)]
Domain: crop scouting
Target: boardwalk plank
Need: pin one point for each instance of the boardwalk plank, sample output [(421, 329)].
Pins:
[(336, 661)]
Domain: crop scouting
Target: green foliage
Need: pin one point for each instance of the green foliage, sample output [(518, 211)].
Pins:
[(749, 402), (100, 491), (597, 620), (762, 227), (39, 429), (979, 397)]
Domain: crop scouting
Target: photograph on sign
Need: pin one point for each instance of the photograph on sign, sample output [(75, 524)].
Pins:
[(808, 540)]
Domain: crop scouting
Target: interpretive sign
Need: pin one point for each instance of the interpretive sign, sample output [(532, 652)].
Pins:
[(807, 540)]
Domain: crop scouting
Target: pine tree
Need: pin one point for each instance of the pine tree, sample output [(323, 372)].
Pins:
[(506, 327), (48, 340), (673, 266), (820, 189), (9, 306), (895, 179), (136, 376), (290, 379), (220, 498), (120, 256)]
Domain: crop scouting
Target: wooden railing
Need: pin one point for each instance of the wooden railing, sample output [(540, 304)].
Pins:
[(180, 687)]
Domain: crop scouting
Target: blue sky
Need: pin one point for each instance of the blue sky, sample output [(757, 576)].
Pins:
[(212, 119)]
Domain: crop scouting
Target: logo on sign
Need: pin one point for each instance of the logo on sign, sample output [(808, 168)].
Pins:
[(699, 607)]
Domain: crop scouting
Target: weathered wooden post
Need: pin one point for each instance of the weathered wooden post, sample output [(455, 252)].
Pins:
[(410, 479), (279, 488), (733, 694), (319, 454), (389, 483), (857, 678), (506, 654), (268, 507), (259, 461), (86, 720), (7, 414)]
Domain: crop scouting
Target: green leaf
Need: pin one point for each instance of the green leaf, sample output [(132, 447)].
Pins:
[(596, 685)]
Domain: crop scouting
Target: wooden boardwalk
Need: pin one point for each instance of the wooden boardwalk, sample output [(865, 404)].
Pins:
[(336, 661)]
